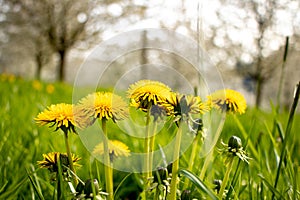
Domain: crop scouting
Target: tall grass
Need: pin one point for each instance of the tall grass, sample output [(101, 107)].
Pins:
[(273, 173)]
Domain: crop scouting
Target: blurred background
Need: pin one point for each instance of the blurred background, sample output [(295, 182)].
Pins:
[(50, 39)]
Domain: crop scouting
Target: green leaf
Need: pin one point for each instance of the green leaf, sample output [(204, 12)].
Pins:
[(198, 183)]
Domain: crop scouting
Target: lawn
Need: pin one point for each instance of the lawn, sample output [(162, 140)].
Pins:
[(268, 167)]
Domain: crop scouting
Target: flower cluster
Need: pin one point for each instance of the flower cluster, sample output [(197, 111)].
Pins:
[(158, 101)]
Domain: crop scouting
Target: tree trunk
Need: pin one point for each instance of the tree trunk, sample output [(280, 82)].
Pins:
[(61, 66), (39, 65), (259, 91), (144, 58)]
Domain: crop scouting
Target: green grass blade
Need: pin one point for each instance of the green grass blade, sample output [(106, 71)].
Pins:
[(287, 133), (9, 193), (121, 183), (35, 187), (198, 183), (273, 189)]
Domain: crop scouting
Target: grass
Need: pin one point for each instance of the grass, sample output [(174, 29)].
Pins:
[(22, 144)]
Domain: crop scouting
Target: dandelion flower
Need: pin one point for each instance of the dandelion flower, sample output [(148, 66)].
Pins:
[(115, 147), (60, 115), (179, 105), (37, 85), (50, 161), (50, 88), (228, 100), (104, 105), (145, 93)]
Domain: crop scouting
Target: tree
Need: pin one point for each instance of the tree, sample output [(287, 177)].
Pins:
[(246, 33), (57, 26)]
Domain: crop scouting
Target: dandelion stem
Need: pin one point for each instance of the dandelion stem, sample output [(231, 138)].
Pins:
[(70, 156), (147, 151), (107, 164), (209, 156), (226, 177), (175, 165), (192, 158), (151, 147)]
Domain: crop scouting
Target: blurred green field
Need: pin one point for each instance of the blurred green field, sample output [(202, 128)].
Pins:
[(22, 144)]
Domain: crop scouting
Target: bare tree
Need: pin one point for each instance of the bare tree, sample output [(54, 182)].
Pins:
[(57, 26), (260, 19)]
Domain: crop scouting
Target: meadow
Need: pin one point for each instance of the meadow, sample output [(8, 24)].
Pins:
[(269, 139)]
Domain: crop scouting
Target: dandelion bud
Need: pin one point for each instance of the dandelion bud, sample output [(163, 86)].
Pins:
[(88, 190), (234, 143), (79, 188), (186, 195), (217, 183), (158, 112), (161, 174), (197, 125)]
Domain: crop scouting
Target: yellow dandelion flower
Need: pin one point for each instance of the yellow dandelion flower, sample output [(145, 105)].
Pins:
[(116, 149), (11, 78), (50, 88), (179, 104), (228, 100), (104, 105), (37, 85), (60, 115), (145, 93), (50, 161)]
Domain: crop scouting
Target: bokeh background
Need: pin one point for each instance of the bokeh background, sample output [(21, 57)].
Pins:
[(245, 40)]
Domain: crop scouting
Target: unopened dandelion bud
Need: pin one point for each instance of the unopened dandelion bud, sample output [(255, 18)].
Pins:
[(158, 112), (88, 190), (217, 183), (161, 174), (234, 143), (197, 125), (79, 188), (186, 195)]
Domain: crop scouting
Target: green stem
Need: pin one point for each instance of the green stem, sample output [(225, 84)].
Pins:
[(70, 157), (107, 164), (147, 151), (151, 148), (209, 157), (207, 160), (192, 158), (226, 177), (175, 165)]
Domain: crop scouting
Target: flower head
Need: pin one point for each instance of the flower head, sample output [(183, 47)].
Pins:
[(104, 105), (60, 115), (37, 85), (50, 88), (116, 149), (50, 161), (145, 93), (185, 105), (228, 100), (234, 148)]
